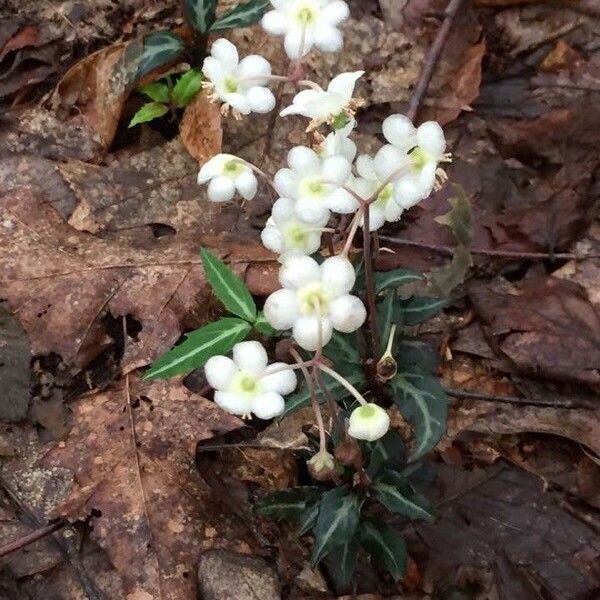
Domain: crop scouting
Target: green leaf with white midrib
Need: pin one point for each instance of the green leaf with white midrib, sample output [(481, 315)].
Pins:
[(242, 15), (424, 403), (289, 503), (395, 278), (386, 547), (336, 524), (204, 343), (228, 287), (341, 563), (417, 309), (159, 48), (395, 493), (201, 13), (338, 391)]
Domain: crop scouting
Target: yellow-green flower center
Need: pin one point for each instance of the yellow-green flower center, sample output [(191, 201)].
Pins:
[(306, 14), (246, 384), (314, 188), (233, 168), (296, 235), (366, 412), (385, 195), (231, 85), (419, 158), (313, 299)]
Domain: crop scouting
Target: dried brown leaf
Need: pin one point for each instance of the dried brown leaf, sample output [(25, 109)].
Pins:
[(200, 128)]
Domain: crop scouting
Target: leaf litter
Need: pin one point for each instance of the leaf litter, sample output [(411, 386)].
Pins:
[(92, 228)]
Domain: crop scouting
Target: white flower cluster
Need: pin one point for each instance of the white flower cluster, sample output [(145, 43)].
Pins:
[(315, 299)]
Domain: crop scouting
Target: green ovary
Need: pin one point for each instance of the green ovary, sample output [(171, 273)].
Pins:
[(419, 158), (233, 168), (231, 85), (296, 235), (246, 384), (314, 189), (306, 14), (366, 412), (313, 299)]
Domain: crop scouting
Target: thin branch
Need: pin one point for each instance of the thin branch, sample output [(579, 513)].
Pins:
[(370, 285), (566, 403), (31, 537), (432, 58), (446, 250)]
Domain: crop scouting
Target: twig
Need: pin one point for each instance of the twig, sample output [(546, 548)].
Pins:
[(446, 250), (31, 537), (67, 550), (370, 286), (567, 403), (432, 58)]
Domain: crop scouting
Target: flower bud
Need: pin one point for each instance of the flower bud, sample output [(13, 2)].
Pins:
[(387, 368), (368, 422), (322, 466)]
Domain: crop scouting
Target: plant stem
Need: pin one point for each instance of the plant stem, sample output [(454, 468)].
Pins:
[(370, 287), (352, 232), (343, 381), (282, 368), (313, 400)]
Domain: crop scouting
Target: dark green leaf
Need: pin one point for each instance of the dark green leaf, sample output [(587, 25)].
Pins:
[(201, 14), (341, 563), (416, 355), (148, 112), (243, 15), (397, 495), (339, 511), (307, 519), (160, 48), (338, 391), (418, 309), (159, 92), (394, 279), (424, 403), (288, 504), (388, 451), (186, 88), (228, 287), (342, 350), (458, 219), (200, 345), (386, 547), (262, 326)]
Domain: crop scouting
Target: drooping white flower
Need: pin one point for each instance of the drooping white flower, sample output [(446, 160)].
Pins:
[(305, 23), (339, 142), (384, 208), (311, 292), (286, 234), (314, 183), (239, 84), (227, 174), (414, 154), (325, 106), (368, 422), (246, 384)]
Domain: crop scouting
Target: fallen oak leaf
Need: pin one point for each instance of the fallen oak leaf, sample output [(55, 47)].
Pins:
[(131, 450), (201, 129)]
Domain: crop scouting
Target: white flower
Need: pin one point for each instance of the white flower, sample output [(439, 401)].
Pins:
[(416, 152), (286, 234), (239, 84), (368, 422), (325, 106), (314, 183), (246, 384), (339, 142), (384, 208), (228, 173), (305, 23), (310, 290)]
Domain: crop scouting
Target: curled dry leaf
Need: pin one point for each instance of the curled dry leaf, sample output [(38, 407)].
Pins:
[(200, 128), (131, 451)]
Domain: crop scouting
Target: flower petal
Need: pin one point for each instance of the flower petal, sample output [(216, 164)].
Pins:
[(430, 137), (369, 422), (376, 217), (281, 309), (235, 404), (399, 131), (298, 271), (304, 161), (344, 84), (294, 38), (211, 168), (306, 332), (336, 168), (338, 275), (282, 382), (408, 191), (393, 211), (213, 70), (221, 189), (347, 313), (365, 165), (335, 12), (260, 99), (341, 201), (328, 38), (268, 405), (254, 66), (226, 53), (312, 211), (246, 184), (275, 23), (219, 371), (250, 356), (283, 210), (272, 239), (286, 183), (388, 160), (237, 102)]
